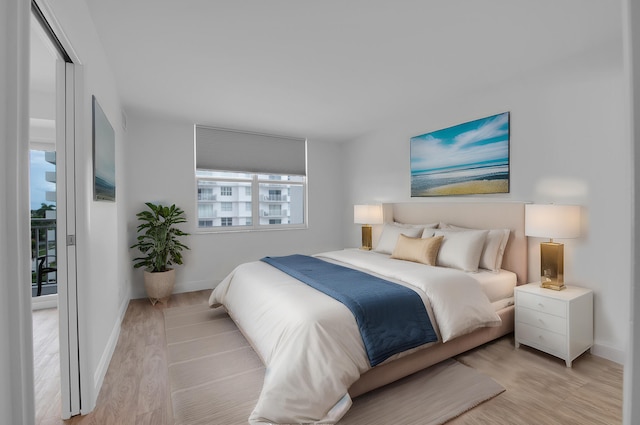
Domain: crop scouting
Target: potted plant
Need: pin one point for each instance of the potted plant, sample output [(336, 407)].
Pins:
[(158, 241)]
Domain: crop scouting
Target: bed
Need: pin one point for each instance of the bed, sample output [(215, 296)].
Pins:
[(310, 343)]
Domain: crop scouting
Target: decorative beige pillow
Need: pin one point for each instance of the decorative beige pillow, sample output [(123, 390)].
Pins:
[(418, 250)]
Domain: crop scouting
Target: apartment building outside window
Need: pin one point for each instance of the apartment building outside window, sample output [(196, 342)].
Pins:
[(280, 199)]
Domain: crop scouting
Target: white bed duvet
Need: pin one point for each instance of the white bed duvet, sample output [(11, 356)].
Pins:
[(310, 343)]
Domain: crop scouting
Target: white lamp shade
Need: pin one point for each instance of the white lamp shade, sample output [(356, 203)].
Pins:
[(367, 214), (552, 221)]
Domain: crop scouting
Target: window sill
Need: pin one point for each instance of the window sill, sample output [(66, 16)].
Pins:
[(238, 229)]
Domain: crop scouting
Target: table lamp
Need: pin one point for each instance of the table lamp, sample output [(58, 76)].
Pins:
[(367, 215), (552, 221)]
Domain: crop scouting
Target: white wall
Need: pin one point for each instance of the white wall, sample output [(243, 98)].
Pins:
[(631, 380), (16, 349), (102, 291), (569, 144), (160, 168)]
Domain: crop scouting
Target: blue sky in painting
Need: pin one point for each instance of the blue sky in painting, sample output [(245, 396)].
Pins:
[(478, 143)]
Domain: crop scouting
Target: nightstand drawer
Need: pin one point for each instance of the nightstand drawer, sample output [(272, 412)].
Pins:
[(540, 338), (542, 320), (544, 304), (556, 322)]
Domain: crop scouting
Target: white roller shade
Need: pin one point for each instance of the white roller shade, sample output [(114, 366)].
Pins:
[(230, 150)]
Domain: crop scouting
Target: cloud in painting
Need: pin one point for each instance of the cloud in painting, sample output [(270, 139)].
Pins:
[(479, 142), (489, 130)]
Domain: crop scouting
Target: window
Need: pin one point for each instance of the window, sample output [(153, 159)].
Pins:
[(275, 195), (206, 211), (275, 210), (273, 190), (206, 194)]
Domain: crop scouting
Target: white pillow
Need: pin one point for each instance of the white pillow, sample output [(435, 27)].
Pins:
[(461, 249), (389, 236), (495, 235), (428, 233), (494, 246)]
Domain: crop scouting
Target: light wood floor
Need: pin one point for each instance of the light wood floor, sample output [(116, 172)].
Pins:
[(46, 364), (540, 389)]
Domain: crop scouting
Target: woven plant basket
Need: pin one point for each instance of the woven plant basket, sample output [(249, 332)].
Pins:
[(159, 285)]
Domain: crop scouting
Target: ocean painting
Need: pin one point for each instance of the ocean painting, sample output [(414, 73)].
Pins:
[(104, 156), (470, 158)]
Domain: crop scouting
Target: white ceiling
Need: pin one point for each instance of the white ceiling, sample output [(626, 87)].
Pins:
[(331, 69)]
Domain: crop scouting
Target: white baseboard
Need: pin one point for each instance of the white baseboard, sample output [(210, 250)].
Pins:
[(44, 302), (105, 359), (609, 353), (195, 285)]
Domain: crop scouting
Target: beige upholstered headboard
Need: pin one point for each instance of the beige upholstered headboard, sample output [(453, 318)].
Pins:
[(479, 215)]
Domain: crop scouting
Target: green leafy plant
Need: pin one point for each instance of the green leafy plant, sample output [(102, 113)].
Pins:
[(158, 238)]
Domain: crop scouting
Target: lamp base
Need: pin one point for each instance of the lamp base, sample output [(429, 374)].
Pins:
[(559, 287), (552, 265), (366, 237)]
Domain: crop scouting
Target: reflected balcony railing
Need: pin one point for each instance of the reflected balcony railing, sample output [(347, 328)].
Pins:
[(44, 279)]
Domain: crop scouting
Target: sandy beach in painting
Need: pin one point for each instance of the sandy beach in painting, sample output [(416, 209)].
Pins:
[(466, 188)]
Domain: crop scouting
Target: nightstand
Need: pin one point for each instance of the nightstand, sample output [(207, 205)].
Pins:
[(559, 323)]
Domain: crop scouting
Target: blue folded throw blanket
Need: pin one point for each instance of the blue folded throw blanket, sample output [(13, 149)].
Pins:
[(391, 317)]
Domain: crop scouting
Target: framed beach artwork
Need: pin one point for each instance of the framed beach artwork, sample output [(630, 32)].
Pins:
[(104, 156), (466, 159)]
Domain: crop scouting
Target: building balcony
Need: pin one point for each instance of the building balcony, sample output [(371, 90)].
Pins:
[(275, 198), (50, 176), (208, 215), (274, 214), (50, 157)]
